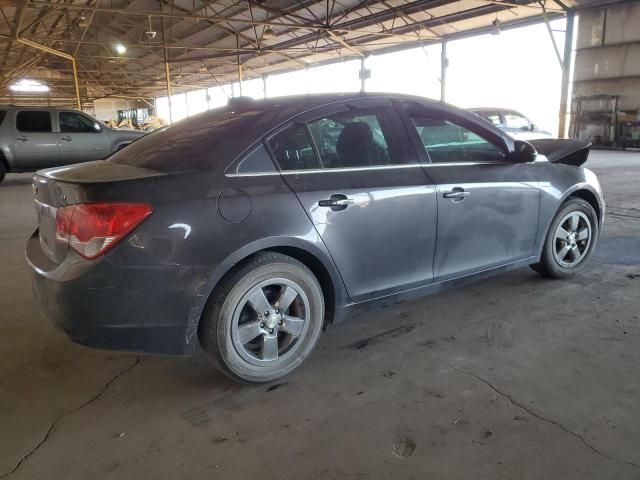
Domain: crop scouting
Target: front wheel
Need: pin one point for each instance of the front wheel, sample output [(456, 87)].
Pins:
[(570, 240), (264, 319)]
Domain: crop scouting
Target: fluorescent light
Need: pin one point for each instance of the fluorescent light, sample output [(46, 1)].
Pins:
[(26, 85), (120, 49)]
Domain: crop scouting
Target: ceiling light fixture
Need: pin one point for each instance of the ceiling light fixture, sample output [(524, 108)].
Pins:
[(268, 32), (30, 86), (495, 30), (120, 48), (151, 33)]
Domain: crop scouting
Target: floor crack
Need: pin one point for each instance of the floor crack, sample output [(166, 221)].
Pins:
[(53, 424), (526, 409)]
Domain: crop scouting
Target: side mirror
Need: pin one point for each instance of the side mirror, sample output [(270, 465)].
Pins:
[(523, 152)]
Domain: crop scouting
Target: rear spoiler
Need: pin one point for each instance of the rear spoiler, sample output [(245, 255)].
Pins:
[(570, 152)]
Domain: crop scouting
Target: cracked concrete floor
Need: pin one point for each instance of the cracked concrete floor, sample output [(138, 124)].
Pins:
[(515, 377)]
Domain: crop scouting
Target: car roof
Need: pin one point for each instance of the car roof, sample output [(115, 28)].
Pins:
[(37, 107), (497, 109), (309, 101)]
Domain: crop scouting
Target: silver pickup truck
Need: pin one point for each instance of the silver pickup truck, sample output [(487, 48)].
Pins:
[(32, 138)]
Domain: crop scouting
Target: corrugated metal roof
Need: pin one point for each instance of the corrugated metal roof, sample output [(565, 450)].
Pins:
[(204, 40)]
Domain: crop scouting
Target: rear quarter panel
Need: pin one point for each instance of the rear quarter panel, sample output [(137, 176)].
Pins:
[(208, 222), (7, 138)]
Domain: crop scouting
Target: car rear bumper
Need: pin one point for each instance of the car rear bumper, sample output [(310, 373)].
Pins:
[(103, 305)]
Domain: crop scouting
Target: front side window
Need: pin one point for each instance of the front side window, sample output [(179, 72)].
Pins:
[(354, 138), (515, 120), (72, 122), (446, 142), (292, 148), (33, 121)]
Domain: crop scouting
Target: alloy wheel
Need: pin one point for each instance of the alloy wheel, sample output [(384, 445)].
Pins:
[(269, 321), (572, 239)]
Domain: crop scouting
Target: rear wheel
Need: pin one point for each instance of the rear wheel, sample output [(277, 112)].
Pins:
[(570, 240), (264, 319)]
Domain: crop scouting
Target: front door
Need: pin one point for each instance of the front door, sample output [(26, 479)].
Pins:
[(36, 145), (81, 138), (366, 194), (487, 206)]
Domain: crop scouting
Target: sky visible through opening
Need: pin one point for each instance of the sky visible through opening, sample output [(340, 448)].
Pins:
[(517, 69)]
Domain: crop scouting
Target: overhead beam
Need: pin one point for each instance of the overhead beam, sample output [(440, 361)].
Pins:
[(58, 53), (178, 15)]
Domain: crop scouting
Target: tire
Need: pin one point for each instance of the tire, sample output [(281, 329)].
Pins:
[(277, 343), (566, 250), (3, 171)]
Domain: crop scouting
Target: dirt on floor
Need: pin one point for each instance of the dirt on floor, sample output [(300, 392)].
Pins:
[(515, 377)]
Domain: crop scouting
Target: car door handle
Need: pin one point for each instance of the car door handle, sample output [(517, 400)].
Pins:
[(337, 202), (66, 139), (457, 194), (22, 138)]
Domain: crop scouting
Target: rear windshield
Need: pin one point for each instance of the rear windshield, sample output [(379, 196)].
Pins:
[(196, 143)]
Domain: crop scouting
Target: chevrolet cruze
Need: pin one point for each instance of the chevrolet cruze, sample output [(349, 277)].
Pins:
[(249, 228)]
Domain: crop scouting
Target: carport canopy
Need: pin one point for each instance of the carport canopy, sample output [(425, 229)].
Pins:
[(87, 49)]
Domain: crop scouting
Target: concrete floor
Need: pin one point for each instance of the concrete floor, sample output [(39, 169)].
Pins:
[(515, 377)]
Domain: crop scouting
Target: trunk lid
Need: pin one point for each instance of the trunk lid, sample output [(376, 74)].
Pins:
[(567, 151), (88, 182)]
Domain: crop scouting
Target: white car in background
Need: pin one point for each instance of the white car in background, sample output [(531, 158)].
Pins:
[(514, 123)]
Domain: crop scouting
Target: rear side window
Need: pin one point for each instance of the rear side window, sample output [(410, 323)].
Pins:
[(72, 122), (355, 138), (33, 121), (446, 142), (292, 149), (492, 117)]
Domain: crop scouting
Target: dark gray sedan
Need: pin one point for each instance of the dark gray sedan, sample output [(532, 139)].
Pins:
[(249, 228)]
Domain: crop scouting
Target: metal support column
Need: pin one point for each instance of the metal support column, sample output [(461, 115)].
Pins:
[(566, 69), (167, 75), (75, 82), (239, 64), (444, 63), (363, 76)]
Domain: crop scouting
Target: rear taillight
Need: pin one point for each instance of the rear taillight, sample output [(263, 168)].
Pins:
[(93, 228)]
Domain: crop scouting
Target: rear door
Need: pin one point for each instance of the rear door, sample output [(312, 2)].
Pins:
[(487, 206), (36, 145), (81, 138), (365, 192)]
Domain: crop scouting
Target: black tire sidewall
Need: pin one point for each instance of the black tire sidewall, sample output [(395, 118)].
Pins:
[(218, 341), (552, 267)]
